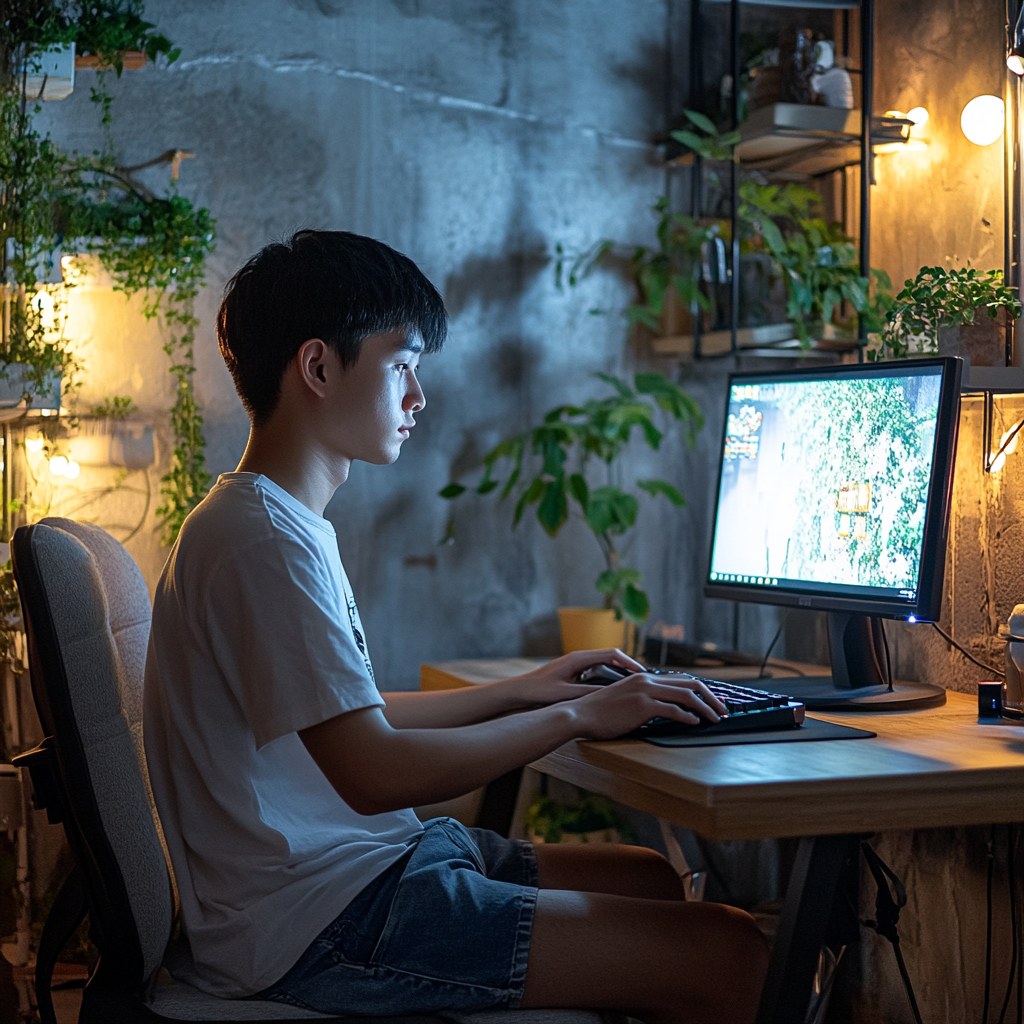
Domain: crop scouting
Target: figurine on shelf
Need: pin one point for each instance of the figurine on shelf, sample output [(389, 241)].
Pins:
[(797, 62), (830, 81)]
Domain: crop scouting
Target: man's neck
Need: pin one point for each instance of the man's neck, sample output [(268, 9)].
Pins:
[(304, 470)]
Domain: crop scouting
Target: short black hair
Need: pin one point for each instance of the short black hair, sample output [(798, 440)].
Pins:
[(333, 285)]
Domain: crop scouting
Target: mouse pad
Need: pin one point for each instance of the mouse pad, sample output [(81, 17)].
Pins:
[(812, 729)]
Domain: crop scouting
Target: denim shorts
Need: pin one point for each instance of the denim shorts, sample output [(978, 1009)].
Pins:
[(447, 927)]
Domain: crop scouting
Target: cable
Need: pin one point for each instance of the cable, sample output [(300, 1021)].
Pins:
[(775, 640), (1012, 882), (885, 644), (967, 654), (713, 869), (788, 666), (988, 926), (887, 915)]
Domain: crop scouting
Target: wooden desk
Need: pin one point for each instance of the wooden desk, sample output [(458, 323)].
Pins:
[(925, 769), (930, 768)]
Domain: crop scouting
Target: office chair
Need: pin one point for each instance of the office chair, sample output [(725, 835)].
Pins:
[(87, 615)]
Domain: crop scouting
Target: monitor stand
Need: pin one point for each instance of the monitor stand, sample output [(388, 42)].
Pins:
[(859, 677)]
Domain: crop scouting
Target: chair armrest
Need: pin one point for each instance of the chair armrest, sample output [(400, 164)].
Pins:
[(41, 763)]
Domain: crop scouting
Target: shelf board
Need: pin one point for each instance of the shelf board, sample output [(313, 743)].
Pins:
[(779, 339), (809, 139), (1007, 380)]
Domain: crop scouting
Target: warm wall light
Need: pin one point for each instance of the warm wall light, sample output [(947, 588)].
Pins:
[(1012, 436), (982, 120), (1015, 55), (34, 444), (918, 115), (60, 465)]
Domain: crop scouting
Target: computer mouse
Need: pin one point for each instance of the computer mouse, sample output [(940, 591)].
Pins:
[(601, 675)]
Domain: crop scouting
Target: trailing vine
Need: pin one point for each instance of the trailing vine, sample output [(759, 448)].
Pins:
[(159, 247)]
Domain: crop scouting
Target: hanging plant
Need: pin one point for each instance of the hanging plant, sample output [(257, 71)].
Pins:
[(149, 244), (105, 29)]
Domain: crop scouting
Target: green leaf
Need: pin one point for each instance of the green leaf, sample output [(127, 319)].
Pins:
[(611, 581), (553, 510), (486, 486), (656, 487), (451, 491), (620, 385), (701, 121), (532, 494), (652, 435), (691, 141), (579, 490), (600, 514), (635, 604)]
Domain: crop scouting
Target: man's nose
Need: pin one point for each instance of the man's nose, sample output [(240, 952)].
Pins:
[(415, 400)]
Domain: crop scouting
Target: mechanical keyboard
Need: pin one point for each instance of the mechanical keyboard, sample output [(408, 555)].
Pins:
[(748, 709)]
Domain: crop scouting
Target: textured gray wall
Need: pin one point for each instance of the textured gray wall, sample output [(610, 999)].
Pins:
[(472, 136)]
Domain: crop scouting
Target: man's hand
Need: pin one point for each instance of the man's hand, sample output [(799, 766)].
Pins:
[(554, 682), (626, 705)]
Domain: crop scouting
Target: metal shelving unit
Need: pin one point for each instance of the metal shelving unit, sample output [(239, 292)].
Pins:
[(809, 140)]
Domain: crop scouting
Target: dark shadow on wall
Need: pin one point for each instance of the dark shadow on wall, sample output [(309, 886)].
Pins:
[(494, 279)]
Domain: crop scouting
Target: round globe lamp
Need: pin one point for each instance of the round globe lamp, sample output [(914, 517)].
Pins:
[(982, 120)]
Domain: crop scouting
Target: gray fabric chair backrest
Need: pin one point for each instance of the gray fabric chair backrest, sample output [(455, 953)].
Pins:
[(100, 610)]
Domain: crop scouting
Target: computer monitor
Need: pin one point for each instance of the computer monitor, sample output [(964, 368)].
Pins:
[(834, 491)]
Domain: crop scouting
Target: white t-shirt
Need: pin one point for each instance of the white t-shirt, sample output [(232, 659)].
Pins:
[(255, 637)]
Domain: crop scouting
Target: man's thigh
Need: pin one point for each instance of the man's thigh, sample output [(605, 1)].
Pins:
[(663, 961), (608, 867)]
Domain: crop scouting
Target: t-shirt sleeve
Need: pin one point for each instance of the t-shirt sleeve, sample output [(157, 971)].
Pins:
[(279, 629)]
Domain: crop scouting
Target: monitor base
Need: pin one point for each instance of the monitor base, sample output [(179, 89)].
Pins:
[(819, 693)]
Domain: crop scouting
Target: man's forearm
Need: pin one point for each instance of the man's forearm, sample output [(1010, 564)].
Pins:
[(376, 768), (445, 709)]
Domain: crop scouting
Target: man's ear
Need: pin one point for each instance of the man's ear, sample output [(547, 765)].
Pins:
[(313, 364)]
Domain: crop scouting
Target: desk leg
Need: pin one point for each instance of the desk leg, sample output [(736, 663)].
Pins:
[(498, 805), (802, 928)]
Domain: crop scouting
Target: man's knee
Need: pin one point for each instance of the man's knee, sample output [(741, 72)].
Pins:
[(740, 933)]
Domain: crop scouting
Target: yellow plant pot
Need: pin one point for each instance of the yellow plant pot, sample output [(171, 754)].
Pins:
[(592, 629)]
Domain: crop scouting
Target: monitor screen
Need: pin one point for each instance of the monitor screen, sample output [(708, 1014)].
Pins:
[(833, 488)]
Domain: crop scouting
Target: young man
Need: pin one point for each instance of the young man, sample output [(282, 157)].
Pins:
[(284, 778)]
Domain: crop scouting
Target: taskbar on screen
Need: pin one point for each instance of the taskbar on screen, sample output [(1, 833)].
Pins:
[(815, 588)]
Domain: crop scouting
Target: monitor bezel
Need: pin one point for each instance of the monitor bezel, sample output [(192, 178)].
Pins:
[(928, 604)]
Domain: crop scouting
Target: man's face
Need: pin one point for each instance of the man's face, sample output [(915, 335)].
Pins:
[(372, 402)]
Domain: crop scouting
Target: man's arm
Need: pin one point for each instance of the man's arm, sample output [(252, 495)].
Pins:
[(549, 684), (376, 768)]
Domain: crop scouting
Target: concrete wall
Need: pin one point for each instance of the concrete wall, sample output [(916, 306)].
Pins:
[(472, 136)]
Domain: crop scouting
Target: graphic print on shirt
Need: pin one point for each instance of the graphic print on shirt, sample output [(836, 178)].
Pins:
[(353, 618)]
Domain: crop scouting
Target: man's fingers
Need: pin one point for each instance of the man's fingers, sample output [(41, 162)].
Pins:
[(685, 697)]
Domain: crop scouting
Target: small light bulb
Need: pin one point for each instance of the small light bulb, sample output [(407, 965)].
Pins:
[(34, 444), (58, 465), (911, 618), (982, 120), (73, 470), (1015, 64), (918, 115)]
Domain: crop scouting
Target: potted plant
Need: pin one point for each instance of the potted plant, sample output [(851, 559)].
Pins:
[(819, 260), (667, 276), (553, 466), (957, 312), (591, 819)]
